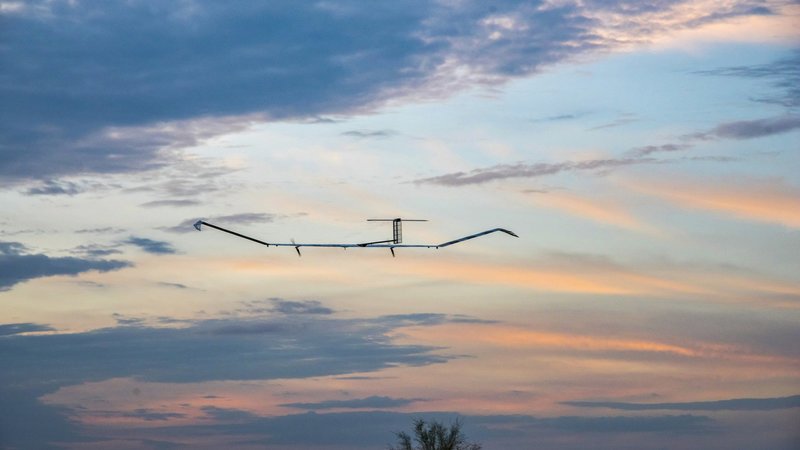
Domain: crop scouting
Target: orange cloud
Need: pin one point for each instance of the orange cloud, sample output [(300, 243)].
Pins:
[(514, 337), (498, 337), (574, 277), (771, 201), (597, 210), (686, 23)]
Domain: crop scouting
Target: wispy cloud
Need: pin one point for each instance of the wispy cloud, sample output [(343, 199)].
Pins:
[(144, 414), (55, 187), (526, 170), (650, 149), (373, 402), (749, 129), (737, 404), (743, 129), (17, 265), (101, 230), (560, 117), (235, 219), (173, 285), (595, 209), (364, 134), (737, 130), (783, 74), (623, 119), (299, 307), (773, 201), (602, 279), (176, 203), (96, 250), (151, 246)]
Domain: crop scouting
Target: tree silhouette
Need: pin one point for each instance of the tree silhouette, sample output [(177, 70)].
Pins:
[(434, 436)]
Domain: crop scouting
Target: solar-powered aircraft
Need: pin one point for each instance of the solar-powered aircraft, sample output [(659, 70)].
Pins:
[(395, 242)]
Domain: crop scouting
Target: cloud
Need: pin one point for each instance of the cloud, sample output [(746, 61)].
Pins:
[(622, 424), (749, 129), (55, 187), (525, 170), (100, 230), (374, 402), (375, 429), (771, 201), (151, 246), (177, 203), (150, 415), (17, 328), (227, 414), (737, 404), (96, 250), (124, 320), (237, 348), (247, 348), (650, 149), (31, 424), (114, 107), (173, 285), (743, 129), (560, 117), (364, 134), (592, 208), (737, 130), (17, 266), (623, 119), (237, 219), (303, 307), (122, 86), (282, 306), (783, 74)]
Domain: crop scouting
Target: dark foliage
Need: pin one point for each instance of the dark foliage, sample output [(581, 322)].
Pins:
[(434, 436)]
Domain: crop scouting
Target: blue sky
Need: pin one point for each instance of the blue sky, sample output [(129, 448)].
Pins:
[(645, 153)]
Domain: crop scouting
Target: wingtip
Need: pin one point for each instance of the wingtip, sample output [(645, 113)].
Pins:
[(198, 225), (509, 232)]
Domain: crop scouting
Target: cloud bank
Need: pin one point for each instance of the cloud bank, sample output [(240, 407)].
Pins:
[(302, 342), (298, 340), (100, 87)]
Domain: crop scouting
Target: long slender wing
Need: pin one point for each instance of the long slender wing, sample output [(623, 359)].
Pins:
[(378, 244), (198, 225), (473, 236)]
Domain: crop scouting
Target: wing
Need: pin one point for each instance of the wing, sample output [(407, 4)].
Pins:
[(379, 244), (473, 236), (198, 225)]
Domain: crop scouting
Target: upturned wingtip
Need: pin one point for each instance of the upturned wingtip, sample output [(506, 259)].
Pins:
[(509, 232), (198, 224)]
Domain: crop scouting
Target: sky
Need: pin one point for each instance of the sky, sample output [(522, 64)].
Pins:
[(645, 153)]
